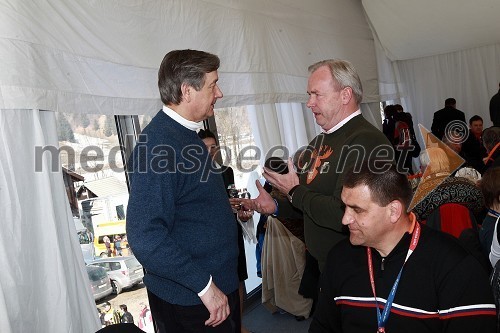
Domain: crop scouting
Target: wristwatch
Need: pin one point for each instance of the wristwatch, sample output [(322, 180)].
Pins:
[(289, 195)]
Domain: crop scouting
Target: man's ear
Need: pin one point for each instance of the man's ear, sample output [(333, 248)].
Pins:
[(346, 95), (396, 210), (186, 92)]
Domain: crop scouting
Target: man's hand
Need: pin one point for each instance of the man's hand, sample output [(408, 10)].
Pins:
[(282, 183), (244, 215), (263, 204), (216, 303)]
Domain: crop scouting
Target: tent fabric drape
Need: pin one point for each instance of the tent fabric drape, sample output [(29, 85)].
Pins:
[(470, 76), (288, 125), (43, 282), (417, 29), (102, 57), (371, 112)]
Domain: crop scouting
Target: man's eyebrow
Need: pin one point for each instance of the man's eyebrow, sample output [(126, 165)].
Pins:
[(353, 206)]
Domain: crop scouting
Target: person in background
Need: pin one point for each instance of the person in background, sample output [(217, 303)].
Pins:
[(464, 171), (179, 217), (145, 321), (452, 204), (473, 149), (455, 145), (227, 173), (491, 141), (101, 316), (490, 187), (490, 231), (394, 274), (126, 317), (388, 123), (445, 116), (495, 108), (111, 316), (118, 245), (107, 243), (398, 128), (438, 187)]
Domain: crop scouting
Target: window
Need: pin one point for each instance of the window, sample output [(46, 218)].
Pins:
[(93, 169), (237, 144), (239, 151)]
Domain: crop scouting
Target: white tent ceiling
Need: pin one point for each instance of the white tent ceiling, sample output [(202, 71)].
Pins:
[(102, 57), (410, 29)]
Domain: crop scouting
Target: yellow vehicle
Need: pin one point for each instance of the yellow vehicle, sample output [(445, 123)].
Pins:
[(106, 217), (110, 229)]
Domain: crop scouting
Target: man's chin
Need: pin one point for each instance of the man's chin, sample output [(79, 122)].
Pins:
[(355, 241)]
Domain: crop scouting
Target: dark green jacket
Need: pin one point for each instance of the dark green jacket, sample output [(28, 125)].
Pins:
[(318, 196)]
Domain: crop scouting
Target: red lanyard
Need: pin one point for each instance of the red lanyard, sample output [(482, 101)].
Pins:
[(382, 317)]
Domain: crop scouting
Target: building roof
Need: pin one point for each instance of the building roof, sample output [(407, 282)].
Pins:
[(76, 177), (106, 187)]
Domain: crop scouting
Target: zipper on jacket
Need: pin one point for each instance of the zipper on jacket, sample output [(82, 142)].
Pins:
[(382, 263)]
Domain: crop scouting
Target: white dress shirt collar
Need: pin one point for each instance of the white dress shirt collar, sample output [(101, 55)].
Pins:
[(342, 123), (192, 125)]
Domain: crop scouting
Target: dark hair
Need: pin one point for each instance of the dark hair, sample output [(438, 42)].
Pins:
[(474, 118), (184, 66), (450, 102), (491, 136), (107, 303), (206, 133), (384, 186), (389, 111), (123, 307), (490, 186), (398, 107)]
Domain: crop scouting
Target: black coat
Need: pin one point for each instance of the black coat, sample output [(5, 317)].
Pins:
[(443, 117)]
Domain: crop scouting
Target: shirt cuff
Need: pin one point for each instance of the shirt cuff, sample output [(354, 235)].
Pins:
[(276, 210), (203, 292)]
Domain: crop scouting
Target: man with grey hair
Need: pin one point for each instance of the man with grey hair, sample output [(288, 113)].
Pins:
[(335, 95), (179, 221)]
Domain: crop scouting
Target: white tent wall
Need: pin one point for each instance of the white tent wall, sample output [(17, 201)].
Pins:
[(470, 76), (430, 50), (415, 29), (43, 281), (102, 56)]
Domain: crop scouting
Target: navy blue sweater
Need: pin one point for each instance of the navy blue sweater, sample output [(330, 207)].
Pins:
[(179, 222)]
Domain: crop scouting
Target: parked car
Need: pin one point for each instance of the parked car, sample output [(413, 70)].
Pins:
[(100, 283), (124, 272)]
